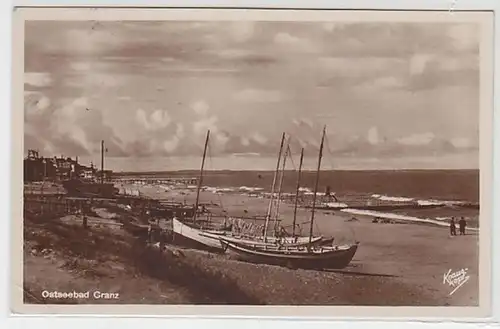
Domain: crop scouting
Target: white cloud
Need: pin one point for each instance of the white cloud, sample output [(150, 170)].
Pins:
[(286, 38), (232, 53), (470, 62), (170, 145), (242, 31), (80, 66), (259, 138), (168, 59), (221, 139), (419, 62), (417, 139), (201, 126), (97, 80), (159, 119), (373, 136), (35, 103), (303, 122), (200, 108), (67, 122), (258, 95), (37, 79), (465, 36), (330, 26), (180, 130), (43, 103), (357, 66), (90, 41), (385, 82), (297, 44), (244, 141), (461, 142)]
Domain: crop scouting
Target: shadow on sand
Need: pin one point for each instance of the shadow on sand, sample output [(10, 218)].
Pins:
[(355, 273), (204, 286)]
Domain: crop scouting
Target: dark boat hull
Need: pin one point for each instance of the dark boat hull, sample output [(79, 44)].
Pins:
[(330, 259)]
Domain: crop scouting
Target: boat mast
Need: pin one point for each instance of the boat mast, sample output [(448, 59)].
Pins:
[(102, 162), (316, 184), (282, 175), (201, 177), (269, 209), (297, 191)]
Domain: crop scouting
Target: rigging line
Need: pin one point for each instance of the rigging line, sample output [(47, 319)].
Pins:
[(281, 179), (291, 158), (316, 148), (329, 152), (212, 166)]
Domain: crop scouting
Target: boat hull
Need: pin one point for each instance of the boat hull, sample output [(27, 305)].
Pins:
[(328, 258), (259, 241), (193, 237)]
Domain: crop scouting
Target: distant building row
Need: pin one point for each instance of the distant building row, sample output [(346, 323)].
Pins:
[(37, 168)]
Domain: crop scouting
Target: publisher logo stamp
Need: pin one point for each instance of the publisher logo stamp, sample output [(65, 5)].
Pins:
[(456, 279)]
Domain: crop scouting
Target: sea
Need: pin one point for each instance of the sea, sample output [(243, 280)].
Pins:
[(444, 185)]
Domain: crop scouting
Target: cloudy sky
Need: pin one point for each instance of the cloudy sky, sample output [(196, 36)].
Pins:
[(393, 95)]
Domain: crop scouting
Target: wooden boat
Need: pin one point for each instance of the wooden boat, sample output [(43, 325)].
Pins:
[(195, 237), (333, 257), (292, 240), (190, 233), (259, 241), (312, 257), (204, 238)]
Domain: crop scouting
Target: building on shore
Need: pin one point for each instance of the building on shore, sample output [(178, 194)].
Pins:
[(38, 168)]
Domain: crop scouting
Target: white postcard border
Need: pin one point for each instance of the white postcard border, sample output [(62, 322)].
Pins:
[(272, 311)]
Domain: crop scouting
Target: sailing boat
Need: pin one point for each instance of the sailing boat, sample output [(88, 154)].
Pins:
[(200, 235), (266, 240), (310, 256), (192, 232)]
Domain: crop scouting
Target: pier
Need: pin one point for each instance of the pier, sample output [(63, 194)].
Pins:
[(156, 181)]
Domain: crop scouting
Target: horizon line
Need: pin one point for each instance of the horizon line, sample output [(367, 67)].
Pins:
[(292, 170)]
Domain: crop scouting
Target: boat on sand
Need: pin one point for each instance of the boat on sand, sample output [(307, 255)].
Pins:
[(308, 256), (316, 257)]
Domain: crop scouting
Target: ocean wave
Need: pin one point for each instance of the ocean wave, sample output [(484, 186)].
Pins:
[(421, 202), (250, 189), (336, 205), (378, 214), (392, 198), (430, 203)]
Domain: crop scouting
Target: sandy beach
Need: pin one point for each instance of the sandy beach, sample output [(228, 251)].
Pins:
[(396, 264)]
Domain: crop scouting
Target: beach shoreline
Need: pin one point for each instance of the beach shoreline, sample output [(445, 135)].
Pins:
[(397, 263)]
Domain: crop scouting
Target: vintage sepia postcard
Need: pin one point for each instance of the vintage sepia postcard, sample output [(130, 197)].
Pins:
[(216, 162)]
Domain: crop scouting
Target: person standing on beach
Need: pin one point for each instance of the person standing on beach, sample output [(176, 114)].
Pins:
[(462, 224), (453, 229), (85, 222), (150, 229)]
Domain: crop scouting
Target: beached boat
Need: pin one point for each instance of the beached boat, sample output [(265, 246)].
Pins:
[(260, 241), (196, 236), (192, 232), (209, 238), (322, 257)]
